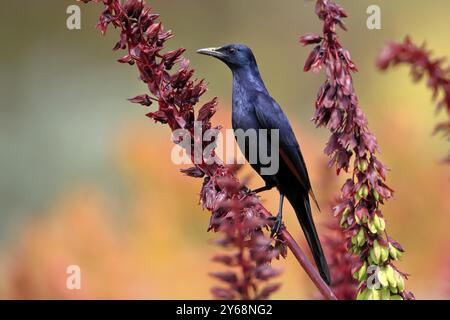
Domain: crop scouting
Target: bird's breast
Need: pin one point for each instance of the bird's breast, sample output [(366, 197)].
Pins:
[(243, 114)]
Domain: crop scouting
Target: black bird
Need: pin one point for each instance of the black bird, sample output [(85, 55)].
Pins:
[(254, 108)]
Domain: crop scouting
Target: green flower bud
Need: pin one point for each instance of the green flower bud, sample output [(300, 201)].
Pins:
[(369, 259), (392, 252), (385, 294), (373, 229), (396, 297), (382, 224), (384, 254), (372, 257), (375, 254), (377, 247), (364, 191), (360, 192), (382, 278), (362, 165), (365, 219), (376, 195), (343, 222), (346, 211), (360, 237), (362, 295), (378, 224), (400, 282), (390, 274), (376, 221), (373, 294), (363, 272), (360, 274)]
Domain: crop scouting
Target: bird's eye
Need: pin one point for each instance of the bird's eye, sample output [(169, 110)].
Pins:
[(231, 50)]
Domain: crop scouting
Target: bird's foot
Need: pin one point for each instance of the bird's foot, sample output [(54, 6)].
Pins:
[(248, 191), (276, 228)]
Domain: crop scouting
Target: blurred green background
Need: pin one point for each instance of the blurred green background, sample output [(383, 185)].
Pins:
[(86, 178)]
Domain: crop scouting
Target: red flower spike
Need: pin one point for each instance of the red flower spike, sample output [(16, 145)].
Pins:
[(352, 145)]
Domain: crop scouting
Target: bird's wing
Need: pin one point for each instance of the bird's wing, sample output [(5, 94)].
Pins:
[(271, 116)]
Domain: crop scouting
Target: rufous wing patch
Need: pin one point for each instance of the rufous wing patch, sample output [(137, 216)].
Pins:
[(294, 170)]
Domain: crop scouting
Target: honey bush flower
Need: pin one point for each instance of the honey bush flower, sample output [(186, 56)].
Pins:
[(249, 250), (353, 147)]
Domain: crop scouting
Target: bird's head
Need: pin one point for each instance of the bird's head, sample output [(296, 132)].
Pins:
[(234, 55)]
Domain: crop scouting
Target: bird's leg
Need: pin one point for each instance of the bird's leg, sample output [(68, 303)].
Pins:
[(278, 219)]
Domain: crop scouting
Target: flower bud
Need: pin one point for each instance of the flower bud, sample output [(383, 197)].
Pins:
[(373, 294), (360, 274), (362, 295), (393, 252), (384, 254), (375, 252), (343, 222), (382, 278), (356, 250), (362, 165), (360, 237), (376, 221), (390, 274), (400, 281), (365, 191), (373, 229), (376, 195), (382, 224), (385, 294), (357, 219)]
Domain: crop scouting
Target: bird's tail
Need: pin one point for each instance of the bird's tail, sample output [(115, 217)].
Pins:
[(302, 209)]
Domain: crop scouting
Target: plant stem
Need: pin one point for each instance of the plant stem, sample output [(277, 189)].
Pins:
[(305, 263), (324, 289)]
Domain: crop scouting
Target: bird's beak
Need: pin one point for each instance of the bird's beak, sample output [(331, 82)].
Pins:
[(213, 52)]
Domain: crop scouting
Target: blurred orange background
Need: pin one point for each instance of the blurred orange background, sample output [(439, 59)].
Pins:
[(87, 179)]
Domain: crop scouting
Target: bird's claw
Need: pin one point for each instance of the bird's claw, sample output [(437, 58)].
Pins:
[(276, 228)]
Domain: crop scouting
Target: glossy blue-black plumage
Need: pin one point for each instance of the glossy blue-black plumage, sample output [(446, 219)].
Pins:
[(254, 108)]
